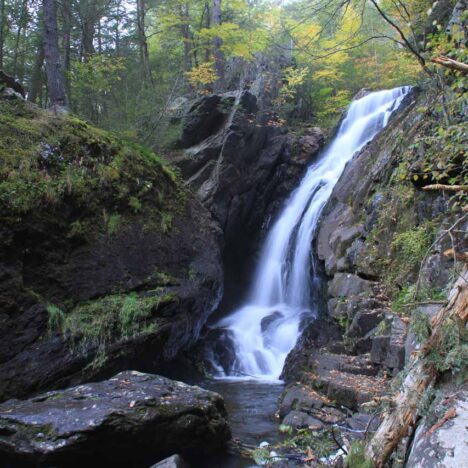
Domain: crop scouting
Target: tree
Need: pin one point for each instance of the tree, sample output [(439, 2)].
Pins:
[(218, 53), (55, 76)]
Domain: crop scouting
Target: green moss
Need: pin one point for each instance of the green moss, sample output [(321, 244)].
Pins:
[(357, 457), (107, 320), (48, 161)]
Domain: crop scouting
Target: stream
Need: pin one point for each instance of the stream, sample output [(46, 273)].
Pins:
[(283, 295)]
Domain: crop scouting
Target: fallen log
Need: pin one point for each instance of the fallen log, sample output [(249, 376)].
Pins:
[(399, 422), (448, 188), (450, 63)]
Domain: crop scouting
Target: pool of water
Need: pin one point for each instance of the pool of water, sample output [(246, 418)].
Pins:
[(251, 406)]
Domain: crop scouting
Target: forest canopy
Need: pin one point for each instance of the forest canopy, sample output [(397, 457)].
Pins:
[(124, 62)]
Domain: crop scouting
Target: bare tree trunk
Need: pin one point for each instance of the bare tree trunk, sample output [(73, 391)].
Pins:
[(2, 30), (399, 422), (186, 37), (87, 38), (22, 25), (35, 84), (54, 70), (67, 25), (218, 54), (143, 43)]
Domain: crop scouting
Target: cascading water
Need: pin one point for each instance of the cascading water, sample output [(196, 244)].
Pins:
[(266, 329)]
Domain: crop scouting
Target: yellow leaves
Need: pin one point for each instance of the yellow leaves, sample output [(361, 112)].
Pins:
[(236, 42), (202, 75), (294, 78)]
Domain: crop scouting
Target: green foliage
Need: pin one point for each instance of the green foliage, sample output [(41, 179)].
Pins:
[(56, 318), (46, 161), (321, 442), (451, 351), (413, 244), (420, 326), (357, 458), (101, 322)]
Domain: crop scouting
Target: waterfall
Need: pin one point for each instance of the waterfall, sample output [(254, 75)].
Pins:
[(267, 327)]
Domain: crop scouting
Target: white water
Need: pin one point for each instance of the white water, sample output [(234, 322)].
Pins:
[(266, 329)]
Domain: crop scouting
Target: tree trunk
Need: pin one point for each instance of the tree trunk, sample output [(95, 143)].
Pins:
[(67, 26), (399, 422), (54, 70), (218, 54), (22, 25), (35, 84), (142, 41), (187, 37), (2, 30), (87, 38)]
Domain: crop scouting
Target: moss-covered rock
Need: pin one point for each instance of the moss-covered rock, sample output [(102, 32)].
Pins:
[(106, 260)]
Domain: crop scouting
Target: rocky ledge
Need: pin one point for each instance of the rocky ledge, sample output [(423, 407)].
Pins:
[(130, 419)]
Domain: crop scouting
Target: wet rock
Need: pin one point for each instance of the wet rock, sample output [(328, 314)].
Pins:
[(443, 446), (412, 342), (364, 321), (346, 380), (299, 420), (388, 348), (128, 417), (318, 334), (242, 163), (347, 284), (361, 425), (299, 397), (204, 118), (176, 461)]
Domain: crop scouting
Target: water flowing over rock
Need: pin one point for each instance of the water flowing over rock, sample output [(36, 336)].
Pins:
[(282, 283), (129, 418)]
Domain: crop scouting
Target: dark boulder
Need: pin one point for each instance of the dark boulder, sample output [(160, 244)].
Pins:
[(119, 271), (126, 420)]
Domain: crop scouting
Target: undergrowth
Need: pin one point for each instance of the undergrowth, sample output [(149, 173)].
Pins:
[(101, 322)]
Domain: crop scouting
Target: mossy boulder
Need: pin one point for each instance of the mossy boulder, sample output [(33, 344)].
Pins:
[(106, 260)]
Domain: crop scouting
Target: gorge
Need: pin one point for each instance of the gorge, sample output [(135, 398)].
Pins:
[(233, 234)]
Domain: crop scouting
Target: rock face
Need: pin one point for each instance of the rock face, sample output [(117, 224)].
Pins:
[(443, 445), (242, 163), (374, 233), (130, 417), (240, 159), (119, 270)]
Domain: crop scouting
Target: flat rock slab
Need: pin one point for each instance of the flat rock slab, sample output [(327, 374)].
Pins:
[(128, 417)]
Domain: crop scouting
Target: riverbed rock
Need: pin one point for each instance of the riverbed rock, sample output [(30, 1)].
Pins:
[(132, 416), (300, 420)]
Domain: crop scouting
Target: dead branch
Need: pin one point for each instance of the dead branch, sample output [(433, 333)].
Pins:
[(450, 63), (462, 256), (421, 376), (447, 188)]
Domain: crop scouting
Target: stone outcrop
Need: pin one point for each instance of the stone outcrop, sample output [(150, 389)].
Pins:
[(440, 439), (130, 417), (240, 160), (119, 270)]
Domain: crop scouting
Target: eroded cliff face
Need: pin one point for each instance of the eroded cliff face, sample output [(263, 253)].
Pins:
[(106, 261), (242, 162), (382, 241)]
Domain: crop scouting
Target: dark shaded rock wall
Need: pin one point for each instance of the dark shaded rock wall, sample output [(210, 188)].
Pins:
[(78, 266)]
